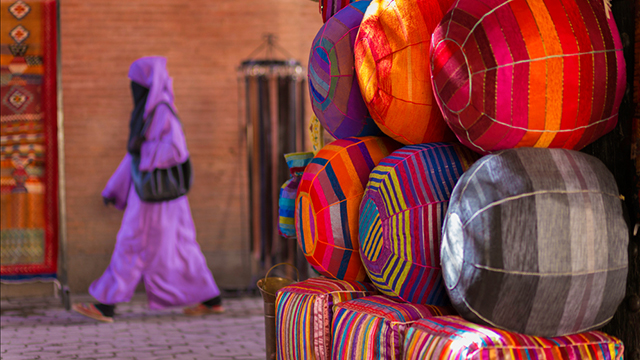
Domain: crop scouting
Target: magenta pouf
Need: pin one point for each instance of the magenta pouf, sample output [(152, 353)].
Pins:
[(528, 73)]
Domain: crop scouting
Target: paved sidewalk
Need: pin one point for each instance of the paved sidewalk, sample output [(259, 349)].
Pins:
[(41, 329)]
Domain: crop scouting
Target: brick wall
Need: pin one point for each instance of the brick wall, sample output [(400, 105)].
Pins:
[(204, 41)]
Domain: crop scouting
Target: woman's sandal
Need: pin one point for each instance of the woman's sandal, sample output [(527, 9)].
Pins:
[(202, 309), (90, 310)]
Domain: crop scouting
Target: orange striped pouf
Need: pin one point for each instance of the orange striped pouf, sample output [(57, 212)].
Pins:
[(528, 73), (328, 202), (392, 65)]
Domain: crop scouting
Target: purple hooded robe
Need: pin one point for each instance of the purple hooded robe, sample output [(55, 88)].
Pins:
[(157, 241)]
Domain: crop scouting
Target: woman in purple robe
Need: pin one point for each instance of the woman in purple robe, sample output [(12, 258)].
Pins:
[(156, 243)]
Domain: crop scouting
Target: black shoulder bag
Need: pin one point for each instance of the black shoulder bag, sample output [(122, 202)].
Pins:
[(159, 184)]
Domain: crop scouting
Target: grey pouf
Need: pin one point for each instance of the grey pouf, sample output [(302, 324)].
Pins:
[(534, 241)]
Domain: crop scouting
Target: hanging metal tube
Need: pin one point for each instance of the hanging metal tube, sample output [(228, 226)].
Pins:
[(274, 126)]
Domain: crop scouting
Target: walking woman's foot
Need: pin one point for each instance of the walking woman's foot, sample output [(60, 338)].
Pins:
[(202, 309), (90, 310)]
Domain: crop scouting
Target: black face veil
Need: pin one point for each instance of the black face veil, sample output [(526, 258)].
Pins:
[(136, 125)]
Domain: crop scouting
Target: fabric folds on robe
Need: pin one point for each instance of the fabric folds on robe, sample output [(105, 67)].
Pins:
[(117, 189), (156, 243)]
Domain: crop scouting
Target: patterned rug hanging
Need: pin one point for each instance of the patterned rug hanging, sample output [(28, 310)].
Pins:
[(28, 141)]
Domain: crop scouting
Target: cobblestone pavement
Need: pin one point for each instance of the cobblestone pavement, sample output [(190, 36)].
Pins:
[(41, 328)]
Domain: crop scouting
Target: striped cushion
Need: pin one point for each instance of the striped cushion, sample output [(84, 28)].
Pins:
[(296, 162), (528, 73), (392, 65), (333, 87), (401, 219), (304, 312), (328, 202), (374, 327), (534, 241), (453, 338)]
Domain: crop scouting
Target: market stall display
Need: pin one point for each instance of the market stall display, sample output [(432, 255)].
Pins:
[(530, 239)]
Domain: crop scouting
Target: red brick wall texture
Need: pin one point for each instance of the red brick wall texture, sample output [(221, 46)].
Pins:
[(204, 41)]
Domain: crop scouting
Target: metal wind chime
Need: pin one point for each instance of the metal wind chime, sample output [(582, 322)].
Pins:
[(272, 124)]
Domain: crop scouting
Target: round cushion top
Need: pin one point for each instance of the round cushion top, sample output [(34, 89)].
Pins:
[(392, 65), (333, 87), (528, 73)]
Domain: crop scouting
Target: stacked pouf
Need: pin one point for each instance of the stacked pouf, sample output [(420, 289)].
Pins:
[(534, 241), (333, 87), (374, 327), (401, 217), (328, 203), (304, 315), (528, 73), (392, 63), (440, 338), (519, 254)]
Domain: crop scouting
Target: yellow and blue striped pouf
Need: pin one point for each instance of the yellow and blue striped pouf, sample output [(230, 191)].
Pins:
[(401, 219)]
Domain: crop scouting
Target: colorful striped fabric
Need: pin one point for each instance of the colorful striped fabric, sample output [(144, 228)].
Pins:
[(374, 327), (453, 338), (534, 241), (392, 65), (333, 87), (296, 162), (528, 73), (328, 203), (304, 312), (401, 219)]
